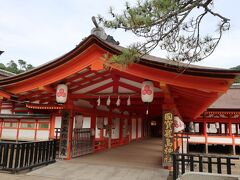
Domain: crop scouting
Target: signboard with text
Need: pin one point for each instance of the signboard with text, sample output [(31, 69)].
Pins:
[(63, 152), (167, 138)]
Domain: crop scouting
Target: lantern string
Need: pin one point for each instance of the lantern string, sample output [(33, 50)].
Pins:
[(118, 101), (108, 101), (129, 101), (99, 101), (147, 109)]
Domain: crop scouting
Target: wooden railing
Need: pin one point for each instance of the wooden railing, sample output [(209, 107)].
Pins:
[(17, 156), (100, 144), (201, 163)]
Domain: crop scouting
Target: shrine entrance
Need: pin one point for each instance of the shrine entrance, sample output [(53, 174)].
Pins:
[(110, 101)]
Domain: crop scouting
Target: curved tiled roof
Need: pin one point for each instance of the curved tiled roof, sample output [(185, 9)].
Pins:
[(229, 100), (4, 73), (147, 60)]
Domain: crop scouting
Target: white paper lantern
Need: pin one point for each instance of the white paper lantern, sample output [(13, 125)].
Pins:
[(61, 93), (178, 124), (147, 91)]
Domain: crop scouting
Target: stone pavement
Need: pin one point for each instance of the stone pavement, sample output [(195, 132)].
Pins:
[(136, 161)]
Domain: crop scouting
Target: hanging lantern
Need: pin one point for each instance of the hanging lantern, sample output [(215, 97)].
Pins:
[(128, 101), (61, 93), (99, 101), (178, 124), (108, 101), (147, 91), (118, 101)]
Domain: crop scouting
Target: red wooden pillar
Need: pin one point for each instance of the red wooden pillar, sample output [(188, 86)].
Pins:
[(70, 134), (230, 127), (35, 130), (136, 128), (1, 121), (110, 129), (52, 127), (93, 126), (18, 127), (205, 135), (232, 136), (1, 126), (130, 127), (121, 129)]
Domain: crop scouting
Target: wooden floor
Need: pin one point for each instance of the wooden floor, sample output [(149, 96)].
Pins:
[(144, 154), (136, 161)]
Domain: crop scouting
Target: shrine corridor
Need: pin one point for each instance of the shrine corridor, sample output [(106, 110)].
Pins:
[(138, 160)]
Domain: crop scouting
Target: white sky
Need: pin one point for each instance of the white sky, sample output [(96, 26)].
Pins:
[(39, 31)]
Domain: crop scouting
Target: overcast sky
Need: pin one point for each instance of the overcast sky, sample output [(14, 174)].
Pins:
[(39, 31)]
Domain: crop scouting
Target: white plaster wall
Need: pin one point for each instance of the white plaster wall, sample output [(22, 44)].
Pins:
[(139, 127), (219, 140), (9, 134), (6, 111), (115, 131), (42, 135), (211, 129), (58, 121), (234, 129), (125, 128), (98, 130), (86, 122), (197, 139), (133, 128), (237, 141), (26, 135), (196, 127), (78, 121)]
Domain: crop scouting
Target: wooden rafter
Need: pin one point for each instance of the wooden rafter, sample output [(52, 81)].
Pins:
[(90, 84), (47, 89), (130, 87), (133, 78), (194, 92), (41, 97), (30, 95), (85, 78), (78, 76), (101, 88)]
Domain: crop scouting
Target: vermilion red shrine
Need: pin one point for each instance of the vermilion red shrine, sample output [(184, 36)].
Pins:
[(186, 94)]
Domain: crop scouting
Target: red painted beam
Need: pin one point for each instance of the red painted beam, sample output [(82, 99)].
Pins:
[(78, 76), (30, 95), (88, 79), (115, 79), (90, 83), (112, 96)]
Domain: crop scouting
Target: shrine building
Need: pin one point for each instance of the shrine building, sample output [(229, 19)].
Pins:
[(113, 106)]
